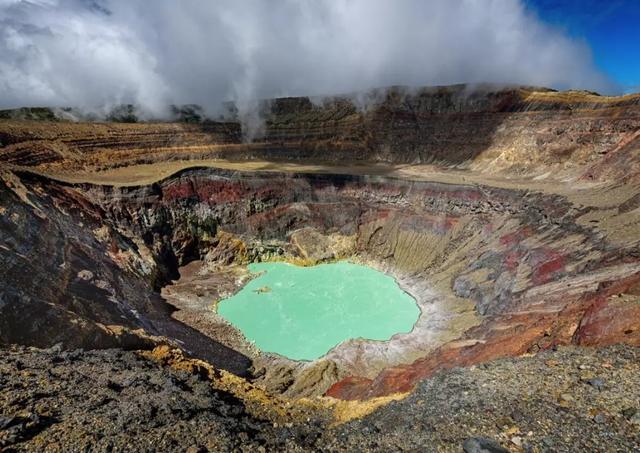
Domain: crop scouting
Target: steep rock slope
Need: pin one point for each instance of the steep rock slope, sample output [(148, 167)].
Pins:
[(71, 277), (485, 128)]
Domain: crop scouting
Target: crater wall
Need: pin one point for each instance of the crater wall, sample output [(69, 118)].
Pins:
[(535, 276), (513, 130), (512, 214)]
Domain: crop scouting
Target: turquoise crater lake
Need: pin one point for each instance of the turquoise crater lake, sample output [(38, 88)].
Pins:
[(303, 312)]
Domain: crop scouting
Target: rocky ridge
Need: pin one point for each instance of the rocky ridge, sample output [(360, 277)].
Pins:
[(491, 129)]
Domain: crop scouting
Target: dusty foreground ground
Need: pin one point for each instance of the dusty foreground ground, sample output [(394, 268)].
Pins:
[(572, 399)]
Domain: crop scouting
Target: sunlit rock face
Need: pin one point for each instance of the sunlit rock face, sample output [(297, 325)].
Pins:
[(518, 130), (526, 236)]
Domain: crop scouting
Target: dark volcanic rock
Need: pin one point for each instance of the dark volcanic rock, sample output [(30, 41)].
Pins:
[(482, 445), (105, 400), (119, 401), (446, 411)]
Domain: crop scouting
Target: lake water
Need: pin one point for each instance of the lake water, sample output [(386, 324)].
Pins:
[(303, 312)]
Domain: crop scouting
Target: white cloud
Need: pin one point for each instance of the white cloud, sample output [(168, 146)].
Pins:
[(92, 53)]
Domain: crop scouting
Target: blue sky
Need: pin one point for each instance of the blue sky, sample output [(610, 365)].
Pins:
[(611, 28)]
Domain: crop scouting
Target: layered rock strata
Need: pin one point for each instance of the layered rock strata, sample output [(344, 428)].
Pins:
[(495, 271), (517, 130)]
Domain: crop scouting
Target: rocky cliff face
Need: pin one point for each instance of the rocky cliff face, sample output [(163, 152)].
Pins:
[(510, 129), (67, 277), (513, 130), (72, 277)]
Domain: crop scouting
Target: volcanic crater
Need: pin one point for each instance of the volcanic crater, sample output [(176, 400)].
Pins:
[(511, 215)]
